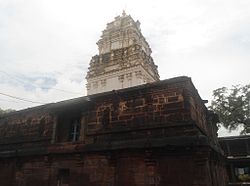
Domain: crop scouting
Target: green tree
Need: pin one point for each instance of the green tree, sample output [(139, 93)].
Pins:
[(233, 106), (5, 111)]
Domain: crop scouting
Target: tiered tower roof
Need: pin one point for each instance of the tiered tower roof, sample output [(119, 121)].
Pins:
[(124, 58)]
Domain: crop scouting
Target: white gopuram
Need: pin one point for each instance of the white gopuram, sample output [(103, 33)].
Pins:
[(124, 58)]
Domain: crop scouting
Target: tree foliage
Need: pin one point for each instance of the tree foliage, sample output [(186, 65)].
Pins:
[(233, 106), (5, 111)]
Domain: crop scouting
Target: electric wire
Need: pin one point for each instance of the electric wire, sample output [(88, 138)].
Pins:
[(11, 101), (34, 85), (22, 99)]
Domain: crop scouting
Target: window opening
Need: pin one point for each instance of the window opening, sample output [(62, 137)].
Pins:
[(75, 131)]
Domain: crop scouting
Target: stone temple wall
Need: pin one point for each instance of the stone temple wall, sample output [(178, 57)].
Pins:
[(154, 134)]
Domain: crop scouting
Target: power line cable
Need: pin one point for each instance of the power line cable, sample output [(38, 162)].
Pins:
[(42, 87), (22, 99), (12, 101)]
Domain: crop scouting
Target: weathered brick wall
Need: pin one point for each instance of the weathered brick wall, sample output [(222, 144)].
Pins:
[(174, 167), (29, 128), (7, 172), (171, 104), (155, 134), (139, 108)]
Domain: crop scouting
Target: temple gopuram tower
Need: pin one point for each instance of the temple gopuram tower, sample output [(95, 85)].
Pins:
[(124, 58)]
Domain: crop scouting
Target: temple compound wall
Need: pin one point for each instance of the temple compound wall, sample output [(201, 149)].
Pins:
[(157, 134)]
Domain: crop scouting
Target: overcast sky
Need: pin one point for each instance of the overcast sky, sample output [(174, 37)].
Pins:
[(46, 45)]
